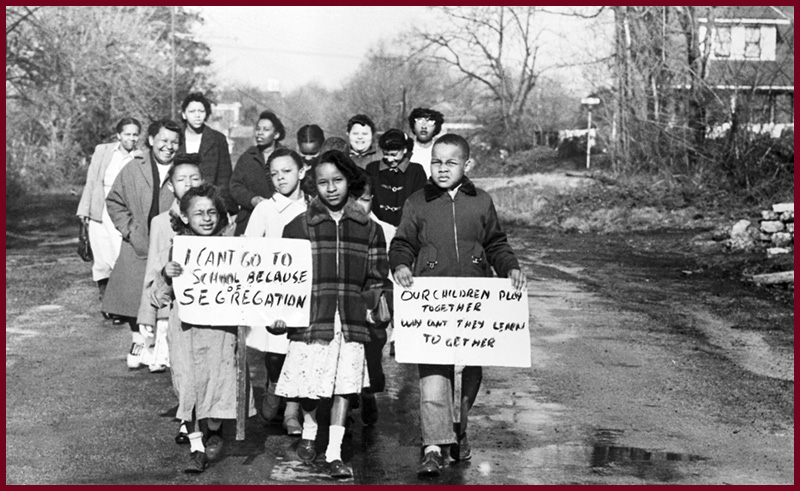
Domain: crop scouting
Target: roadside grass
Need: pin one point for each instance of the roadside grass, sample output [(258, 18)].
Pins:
[(604, 203)]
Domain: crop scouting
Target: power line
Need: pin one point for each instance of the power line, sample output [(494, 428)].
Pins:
[(287, 51)]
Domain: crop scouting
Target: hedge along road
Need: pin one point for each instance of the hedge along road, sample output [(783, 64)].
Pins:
[(647, 369)]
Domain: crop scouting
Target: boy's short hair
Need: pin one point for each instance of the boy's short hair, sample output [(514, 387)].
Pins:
[(453, 139), (310, 133), (426, 112), (395, 139), (361, 119), (276, 123), (334, 143), (185, 159), (204, 190), (285, 152), (197, 97), (168, 124), (369, 181), (348, 168)]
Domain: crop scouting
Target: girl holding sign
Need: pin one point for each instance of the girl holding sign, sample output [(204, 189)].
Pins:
[(287, 171), (205, 355), (350, 272)]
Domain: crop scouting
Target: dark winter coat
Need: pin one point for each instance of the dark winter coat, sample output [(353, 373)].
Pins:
[(215, 164), (128, 205), (349, 269), (250, 179), (443, 236), (393, 187)]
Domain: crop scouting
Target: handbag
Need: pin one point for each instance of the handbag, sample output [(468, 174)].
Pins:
[(84, 247)]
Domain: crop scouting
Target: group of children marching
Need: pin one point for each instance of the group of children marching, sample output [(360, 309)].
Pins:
[(445, 226)]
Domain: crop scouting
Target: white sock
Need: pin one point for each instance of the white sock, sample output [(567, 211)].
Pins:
[(433, 448), (183, 428), (137, 337), (196, 442), (334, 451), (309, 425), (214, 424)]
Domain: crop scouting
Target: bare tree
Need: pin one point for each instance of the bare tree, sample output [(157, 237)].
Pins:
[(71, 72), (496, 47)]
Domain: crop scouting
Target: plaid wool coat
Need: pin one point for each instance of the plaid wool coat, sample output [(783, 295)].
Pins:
[(350, 269)]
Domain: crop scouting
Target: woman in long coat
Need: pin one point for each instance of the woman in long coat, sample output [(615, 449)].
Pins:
[(215, 158), (251, 183), (108, 160), (139, 193)]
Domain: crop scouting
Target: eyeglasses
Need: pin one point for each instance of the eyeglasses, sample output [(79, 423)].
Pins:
[(423, 120)]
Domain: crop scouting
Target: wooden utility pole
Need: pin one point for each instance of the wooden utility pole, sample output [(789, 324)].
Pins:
[(174, 61)]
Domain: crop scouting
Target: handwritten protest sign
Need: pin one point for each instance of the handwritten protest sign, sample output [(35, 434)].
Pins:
[(462, 321), (253, 281)]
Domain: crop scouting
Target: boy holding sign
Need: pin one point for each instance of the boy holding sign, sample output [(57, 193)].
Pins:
[(449, 228)]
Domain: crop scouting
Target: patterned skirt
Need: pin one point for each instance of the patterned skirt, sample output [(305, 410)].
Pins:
[(321, 369)]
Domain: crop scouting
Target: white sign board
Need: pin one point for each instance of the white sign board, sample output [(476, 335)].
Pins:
[(253, 281), (462, 321), (590, 101)]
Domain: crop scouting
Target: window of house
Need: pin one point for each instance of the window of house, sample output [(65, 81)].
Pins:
[(740, 42), (722, 42), (752, 42)]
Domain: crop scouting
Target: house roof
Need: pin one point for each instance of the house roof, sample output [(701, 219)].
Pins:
[(758, 12)]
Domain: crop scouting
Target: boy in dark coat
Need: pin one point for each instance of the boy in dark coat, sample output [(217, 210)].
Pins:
[(449, 228)]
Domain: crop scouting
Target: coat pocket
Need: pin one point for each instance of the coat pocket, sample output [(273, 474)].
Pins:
[(140, 242), (427, 261), (479, 262)]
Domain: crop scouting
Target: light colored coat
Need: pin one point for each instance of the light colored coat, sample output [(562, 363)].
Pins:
[(161, 235), (129, 207), (268, 220), (93, 197)]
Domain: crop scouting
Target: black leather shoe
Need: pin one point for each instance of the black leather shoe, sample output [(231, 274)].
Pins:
[(214, 446), (339, 471), (369, 410), (431, 465), (306, 450), (198, 462), (182, 438)]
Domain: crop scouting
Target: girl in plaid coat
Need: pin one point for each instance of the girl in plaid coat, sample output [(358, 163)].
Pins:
[(350, 272)]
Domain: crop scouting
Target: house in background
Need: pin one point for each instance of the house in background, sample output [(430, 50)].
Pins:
[(750, 67)]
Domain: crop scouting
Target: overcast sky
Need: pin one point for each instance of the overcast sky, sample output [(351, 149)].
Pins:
[(298, 45)]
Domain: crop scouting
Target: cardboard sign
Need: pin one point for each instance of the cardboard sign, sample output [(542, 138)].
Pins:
[(253, 281), (462, 321)]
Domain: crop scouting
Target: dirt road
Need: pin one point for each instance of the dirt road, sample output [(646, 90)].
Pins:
[(650, 366)]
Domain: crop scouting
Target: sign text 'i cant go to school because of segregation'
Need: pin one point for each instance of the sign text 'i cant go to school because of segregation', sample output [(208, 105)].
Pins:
[(462, 321), (252, 281)]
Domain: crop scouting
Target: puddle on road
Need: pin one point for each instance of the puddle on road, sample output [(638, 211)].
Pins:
[(583, 462)]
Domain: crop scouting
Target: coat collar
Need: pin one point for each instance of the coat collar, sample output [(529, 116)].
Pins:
[(282, 202), (402, 166), (144, 166), (432, 191), (206, 140), (318, 213)]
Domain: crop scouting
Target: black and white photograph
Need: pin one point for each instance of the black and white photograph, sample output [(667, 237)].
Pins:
[(414, 245)]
